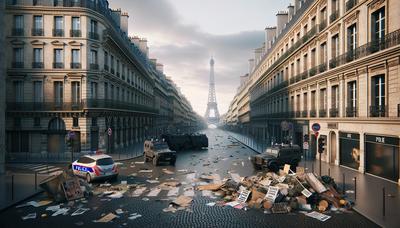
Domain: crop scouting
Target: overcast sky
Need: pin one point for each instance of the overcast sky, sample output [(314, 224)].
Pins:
[(183, 34)]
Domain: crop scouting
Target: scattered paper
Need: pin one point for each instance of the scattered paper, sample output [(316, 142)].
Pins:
[(134, 216), (306, 193), (173, 192), (272, 193), (107, 218), (53, 208), (211, 204), (244, 194), (319, 216), (286, 168), (61, 211), (29, 216), (168, 171), (183, 201), (79, 211), (119, 211), (153, 181), (139, 191), (236, 177), (117, 195), (265, 182), (154, 192), (139, 162), (145, 171), (124, 182), (232, 204)]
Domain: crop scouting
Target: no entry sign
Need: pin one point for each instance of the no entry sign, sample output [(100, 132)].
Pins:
[(316, 127)]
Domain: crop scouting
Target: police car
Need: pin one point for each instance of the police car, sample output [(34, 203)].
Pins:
[(94, 167)]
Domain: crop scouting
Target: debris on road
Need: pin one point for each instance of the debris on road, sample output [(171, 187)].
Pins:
[(79, 211), (107, 218), (29, 216), (134, 216)]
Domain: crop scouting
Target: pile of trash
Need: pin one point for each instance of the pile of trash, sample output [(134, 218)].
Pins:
[(285, 192)]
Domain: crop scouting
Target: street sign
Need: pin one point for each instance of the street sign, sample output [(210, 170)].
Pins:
[(305, 146), (316, 127), (109, 131)]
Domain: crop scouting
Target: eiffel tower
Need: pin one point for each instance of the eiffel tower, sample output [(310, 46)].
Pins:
[(212, 107)]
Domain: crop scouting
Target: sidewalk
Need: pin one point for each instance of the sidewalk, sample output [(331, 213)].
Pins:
[(369, 189), (15, 187)]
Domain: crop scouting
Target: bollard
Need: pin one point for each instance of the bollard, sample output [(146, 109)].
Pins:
[(35, 180), (12, 187), (355, 188), (344, 184), (383, 202)]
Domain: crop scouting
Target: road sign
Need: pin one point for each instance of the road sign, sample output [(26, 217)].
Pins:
[(305, 146), (109, 131), (316, 127)]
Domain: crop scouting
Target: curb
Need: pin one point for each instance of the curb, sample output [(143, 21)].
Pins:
[(20, 201), (245, 144)]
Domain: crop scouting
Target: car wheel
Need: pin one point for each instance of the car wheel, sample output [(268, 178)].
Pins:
[(273, 167), (88, 178), (155, 161)]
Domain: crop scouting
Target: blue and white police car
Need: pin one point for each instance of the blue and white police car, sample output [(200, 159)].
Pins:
[(93, 167)]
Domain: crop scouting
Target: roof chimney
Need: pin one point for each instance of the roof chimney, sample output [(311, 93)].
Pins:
[(290, 11), (297, 5), (160, 67), (124, 22), (281, 20), (143, 46), (270, 33)]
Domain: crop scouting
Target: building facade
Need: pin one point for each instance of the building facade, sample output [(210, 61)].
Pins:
[(76, 82), (2, 94), (336, 63)]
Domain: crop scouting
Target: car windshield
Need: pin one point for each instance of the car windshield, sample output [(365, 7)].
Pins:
[(105, 161), (272, 151), (160, 146)]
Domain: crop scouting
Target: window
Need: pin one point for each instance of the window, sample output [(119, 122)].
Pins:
[(37, 91), (93, 90), (112, 92), (18, 58), (351, 38), (58, 58), (76, 27), (93, 57), (37, 29), (378, 95), (323, 53), (335, 46), (335, 97), (93, 30), (105, 90), (117, 95), (18, 29), (322, 97), (19, 91), (106, 60), (58, 93), (94, 121), (76, 92), (351, 99), (378, 24), (36, 121), (37, 58), (76, 58), (58, 26), (112, 64), (75, 122)]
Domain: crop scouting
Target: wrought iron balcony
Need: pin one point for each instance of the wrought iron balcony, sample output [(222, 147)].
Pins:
[(37, 65), (76, 65), (94, 66), (58, 65), (94, 35), (334, 16), (58, 32), (333, 112), (17, 65), (304, 113), (304, 75), (351, 111), (75, 33), (322, 67), (37, 32), (322, 25), (17, 32), (377, 111), (350, 4), (322, 113), (313, 71), (313, 113)]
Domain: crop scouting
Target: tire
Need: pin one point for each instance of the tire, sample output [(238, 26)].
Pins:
[(88, 178), (155, 161), (273, 167)]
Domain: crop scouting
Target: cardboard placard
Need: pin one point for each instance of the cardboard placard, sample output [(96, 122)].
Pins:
[(272, 193), (244, 194), (286, 168)]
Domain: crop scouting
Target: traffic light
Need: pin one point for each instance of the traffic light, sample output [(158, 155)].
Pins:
[(321, 145), (305, 138)]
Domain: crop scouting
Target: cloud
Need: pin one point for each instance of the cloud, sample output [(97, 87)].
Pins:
[(185, 50)]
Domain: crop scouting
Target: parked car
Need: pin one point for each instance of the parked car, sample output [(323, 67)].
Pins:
[(158, 151), (92, 167), (278, 155)]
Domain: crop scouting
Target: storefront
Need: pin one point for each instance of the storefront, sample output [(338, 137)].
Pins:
[(349, 144), (382, 156)]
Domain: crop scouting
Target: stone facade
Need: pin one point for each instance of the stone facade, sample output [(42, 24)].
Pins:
[(76, 82), (335, 63), (2, 94)]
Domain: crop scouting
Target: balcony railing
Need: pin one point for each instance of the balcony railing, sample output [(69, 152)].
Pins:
[(37, 65), (75, 33), (313, 113), (58, 32), (304, 113), (322, 25), (304, 75), (333, 112), (58, 65), (94, 66), (37, 32), (334, 16), (377, 111), (313, 71), (350, 4), (322, 68), (77, 106), (297, 113), (351, 111), (17, 32), (322, 113), (388, 41), (17, 64), (76, 66), (94, 35), (112, 71)]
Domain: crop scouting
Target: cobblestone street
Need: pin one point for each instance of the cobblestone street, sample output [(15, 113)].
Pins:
[(224, 155)]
